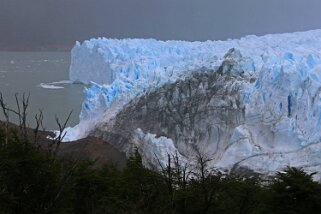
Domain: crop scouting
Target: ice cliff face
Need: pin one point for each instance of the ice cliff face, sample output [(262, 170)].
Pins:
[(252, 103), (199, 112)]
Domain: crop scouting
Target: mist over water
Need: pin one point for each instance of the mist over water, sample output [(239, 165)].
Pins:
[(26, 72)]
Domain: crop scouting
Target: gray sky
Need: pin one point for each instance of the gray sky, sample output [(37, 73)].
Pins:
[(60, 22)]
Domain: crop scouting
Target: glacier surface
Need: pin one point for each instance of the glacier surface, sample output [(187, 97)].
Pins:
[(272, 88)]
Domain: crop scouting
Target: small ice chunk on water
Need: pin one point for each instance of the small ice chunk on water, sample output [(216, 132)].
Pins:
[(49, 86)]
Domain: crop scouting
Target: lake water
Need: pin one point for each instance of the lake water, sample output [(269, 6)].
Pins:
[(27, 72)]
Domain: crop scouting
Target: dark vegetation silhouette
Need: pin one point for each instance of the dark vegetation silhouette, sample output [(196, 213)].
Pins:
[(36, 180)]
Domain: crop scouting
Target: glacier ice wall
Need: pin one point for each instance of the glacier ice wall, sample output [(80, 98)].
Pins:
[(277, 105), (124, 68)]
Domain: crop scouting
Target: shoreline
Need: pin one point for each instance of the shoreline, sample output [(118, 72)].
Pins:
[(90, 148)]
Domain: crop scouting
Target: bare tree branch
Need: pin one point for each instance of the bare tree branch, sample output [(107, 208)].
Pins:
[(57, 140)]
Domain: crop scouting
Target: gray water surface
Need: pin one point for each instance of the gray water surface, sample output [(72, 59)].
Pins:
[(23, 72)]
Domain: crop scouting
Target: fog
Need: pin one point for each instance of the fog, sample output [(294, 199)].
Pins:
[(62, 22)]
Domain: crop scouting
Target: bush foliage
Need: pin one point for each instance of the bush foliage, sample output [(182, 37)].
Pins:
[(34, 181)]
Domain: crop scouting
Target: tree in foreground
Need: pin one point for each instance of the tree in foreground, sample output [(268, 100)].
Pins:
[(36, 181), (293, 191)]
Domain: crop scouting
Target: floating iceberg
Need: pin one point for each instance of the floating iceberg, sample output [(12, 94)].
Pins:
[(242, 101)]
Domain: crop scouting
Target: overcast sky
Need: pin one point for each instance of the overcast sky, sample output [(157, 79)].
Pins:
[(64, 21)]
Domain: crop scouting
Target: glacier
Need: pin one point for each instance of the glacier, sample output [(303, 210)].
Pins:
[(252, 103)]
